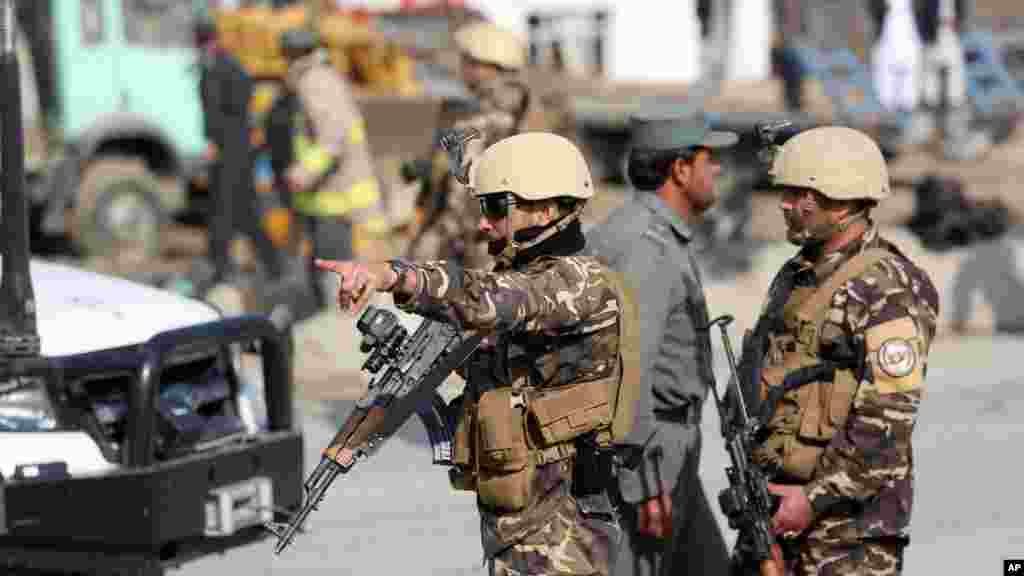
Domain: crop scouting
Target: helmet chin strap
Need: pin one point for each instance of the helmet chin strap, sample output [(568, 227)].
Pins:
[(512, 248)]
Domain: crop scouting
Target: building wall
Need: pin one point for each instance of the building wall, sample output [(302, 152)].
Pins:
[(750, 40), (656, 40)]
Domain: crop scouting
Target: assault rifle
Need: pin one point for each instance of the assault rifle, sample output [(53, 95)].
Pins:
[(406, 373), (746, 502)]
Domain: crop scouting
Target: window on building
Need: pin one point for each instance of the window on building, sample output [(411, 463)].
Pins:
[(91, 12), (158, 23)]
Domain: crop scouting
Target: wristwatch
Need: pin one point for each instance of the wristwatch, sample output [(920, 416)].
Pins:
[(400, 267)]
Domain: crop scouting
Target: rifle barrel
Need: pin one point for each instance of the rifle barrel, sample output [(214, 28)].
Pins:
[(734, 371), (316, 494)]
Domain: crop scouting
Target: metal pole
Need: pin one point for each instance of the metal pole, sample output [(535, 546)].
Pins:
[(7, 26), (600, 41), (18, 336)]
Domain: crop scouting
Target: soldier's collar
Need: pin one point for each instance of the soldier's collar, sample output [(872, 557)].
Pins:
[(823, 265), (655, 204)]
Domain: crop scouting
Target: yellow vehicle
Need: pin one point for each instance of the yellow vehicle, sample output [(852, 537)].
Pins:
[(366, 57)]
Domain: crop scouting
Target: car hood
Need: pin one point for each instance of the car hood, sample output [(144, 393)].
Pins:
[(80, 311)]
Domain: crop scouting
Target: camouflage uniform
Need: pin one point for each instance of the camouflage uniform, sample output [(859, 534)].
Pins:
[(542, 309), (861, 486), (453, 233)]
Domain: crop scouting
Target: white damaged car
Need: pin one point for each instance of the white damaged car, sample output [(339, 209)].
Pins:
[(136, 440)]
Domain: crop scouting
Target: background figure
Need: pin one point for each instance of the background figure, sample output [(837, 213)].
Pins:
[(944, 81), (995, 269), (331, 178), (938, 23), (491, 59), (668, 523), (785, 61), (897, 58), (225, 90)]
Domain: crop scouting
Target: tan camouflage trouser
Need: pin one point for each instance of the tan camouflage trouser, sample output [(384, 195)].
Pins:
[(860, 559), (571, 544)]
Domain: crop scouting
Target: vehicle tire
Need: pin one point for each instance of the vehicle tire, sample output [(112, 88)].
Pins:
[(117, 209)]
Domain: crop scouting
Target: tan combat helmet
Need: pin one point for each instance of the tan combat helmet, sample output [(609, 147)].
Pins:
[(841, 163), (488, 43), (533, 166)]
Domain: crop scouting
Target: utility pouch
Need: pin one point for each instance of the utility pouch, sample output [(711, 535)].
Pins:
[(824, 408), (799, 458), (506, 467), (840, 399), (462, 450), (800, 438), (563, 413)]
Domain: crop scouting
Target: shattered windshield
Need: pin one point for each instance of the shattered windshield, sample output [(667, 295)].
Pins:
[(25, 407)]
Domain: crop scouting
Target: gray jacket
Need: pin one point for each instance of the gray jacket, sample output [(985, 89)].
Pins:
[(649, 244)]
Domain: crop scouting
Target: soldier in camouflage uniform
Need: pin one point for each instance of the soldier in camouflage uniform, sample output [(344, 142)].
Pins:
[(491, 59), (552, 317), (839, 451)]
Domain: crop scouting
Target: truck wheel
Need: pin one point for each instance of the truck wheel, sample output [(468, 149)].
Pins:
[(118, 211)]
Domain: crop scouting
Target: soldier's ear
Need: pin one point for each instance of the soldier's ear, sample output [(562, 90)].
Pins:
[(552, 211), (681, 172)]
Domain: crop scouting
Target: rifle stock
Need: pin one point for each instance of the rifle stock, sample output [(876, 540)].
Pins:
[(406, 371)]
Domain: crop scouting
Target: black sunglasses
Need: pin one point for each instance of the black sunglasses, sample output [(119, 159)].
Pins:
[(495, 206)]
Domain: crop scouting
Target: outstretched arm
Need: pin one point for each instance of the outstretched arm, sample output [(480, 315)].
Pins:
[(560, 297)]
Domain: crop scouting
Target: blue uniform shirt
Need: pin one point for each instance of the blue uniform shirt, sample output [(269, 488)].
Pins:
[(648, 242)]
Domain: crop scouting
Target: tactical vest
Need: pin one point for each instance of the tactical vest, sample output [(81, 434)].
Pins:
[(530, 404), (324, 198), (807, 418)]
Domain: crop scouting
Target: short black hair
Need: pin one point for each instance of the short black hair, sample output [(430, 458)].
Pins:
[(204, 28), (649, 169)]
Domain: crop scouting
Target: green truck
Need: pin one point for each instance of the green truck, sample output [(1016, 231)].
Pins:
[(114, 123)]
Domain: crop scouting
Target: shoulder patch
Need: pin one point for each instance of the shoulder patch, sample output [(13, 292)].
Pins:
[(896, 355)]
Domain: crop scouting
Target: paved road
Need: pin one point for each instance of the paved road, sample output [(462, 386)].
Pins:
[(396, 514)]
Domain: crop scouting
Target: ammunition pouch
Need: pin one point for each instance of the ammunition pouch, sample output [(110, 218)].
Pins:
[(812, 415), (564, 413), (505, 467), (463, 476), (500, 442)]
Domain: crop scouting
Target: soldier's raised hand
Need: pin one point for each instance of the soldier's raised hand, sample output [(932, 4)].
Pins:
[(357, 283)]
